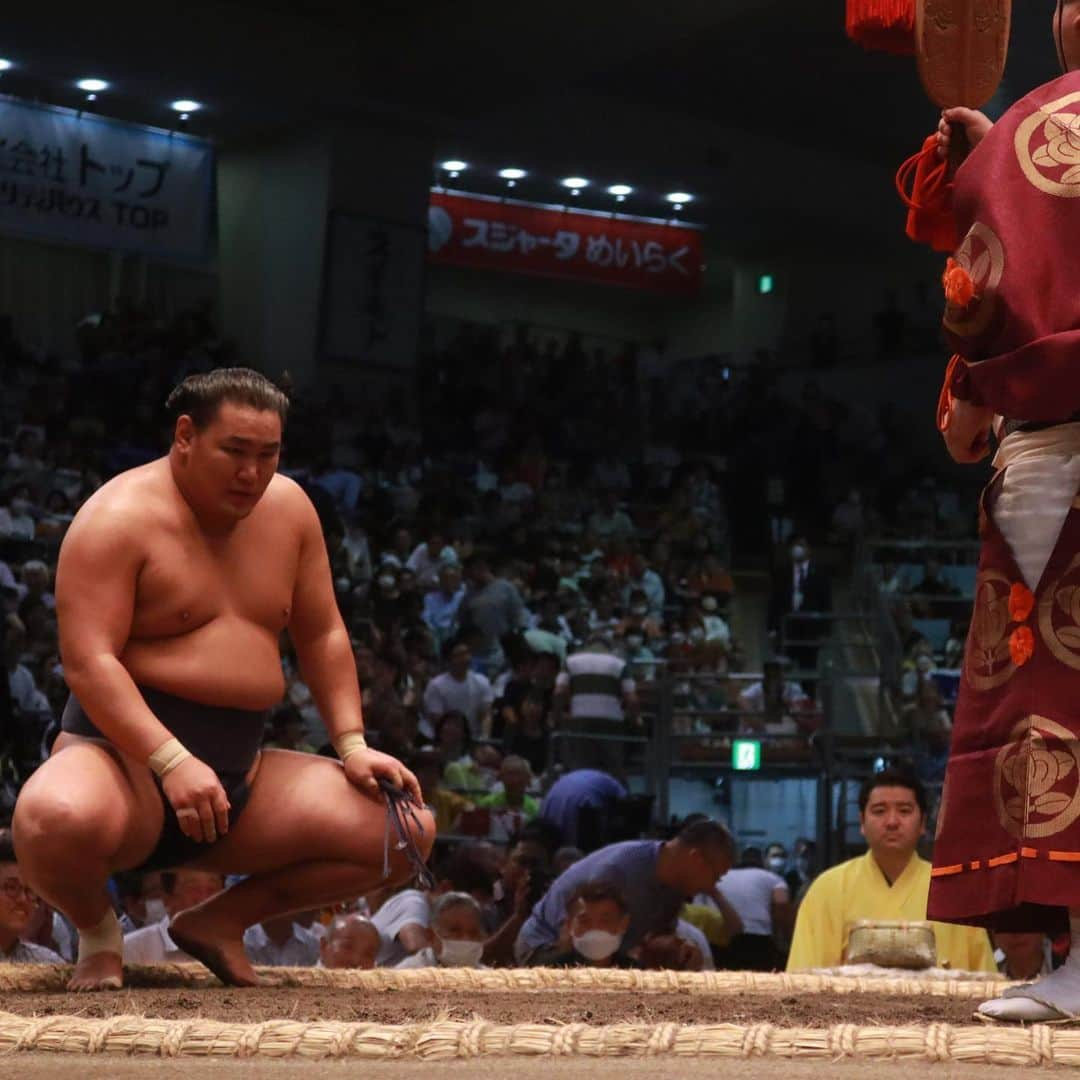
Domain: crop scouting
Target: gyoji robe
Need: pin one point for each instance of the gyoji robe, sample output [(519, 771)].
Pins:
[(1007, 853), (857, 889)]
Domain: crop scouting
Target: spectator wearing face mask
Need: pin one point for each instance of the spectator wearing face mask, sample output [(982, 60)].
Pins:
[(182, 888), (639, 620), (776, 859), (597, 919), (457, 934), (141, 898), (717, 631), (655, 879), (762, 901)]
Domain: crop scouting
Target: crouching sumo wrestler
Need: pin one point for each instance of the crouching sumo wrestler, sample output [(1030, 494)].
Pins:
[(175, 581)]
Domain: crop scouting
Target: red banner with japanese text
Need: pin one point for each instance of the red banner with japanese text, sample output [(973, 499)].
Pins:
[(504, 234)]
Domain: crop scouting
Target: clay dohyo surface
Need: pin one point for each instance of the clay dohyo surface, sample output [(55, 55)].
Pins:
[(527, 1007)]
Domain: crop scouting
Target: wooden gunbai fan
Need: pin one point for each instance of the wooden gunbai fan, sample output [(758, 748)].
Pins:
[(961, 46)]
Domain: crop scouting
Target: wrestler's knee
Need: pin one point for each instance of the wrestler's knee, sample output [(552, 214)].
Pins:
[(48, 820)]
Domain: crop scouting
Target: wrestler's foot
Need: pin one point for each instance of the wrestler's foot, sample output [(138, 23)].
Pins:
[(102, 971), (216, 943)]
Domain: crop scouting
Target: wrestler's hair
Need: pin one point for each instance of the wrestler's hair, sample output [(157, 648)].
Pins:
[(895, 776), (7, 848), (200, 396)]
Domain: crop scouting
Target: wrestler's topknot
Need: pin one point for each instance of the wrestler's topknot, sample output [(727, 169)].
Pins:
[(200, 396)]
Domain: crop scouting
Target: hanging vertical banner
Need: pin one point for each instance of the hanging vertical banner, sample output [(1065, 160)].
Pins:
[(102, 183), (615, 249), (374, 292)]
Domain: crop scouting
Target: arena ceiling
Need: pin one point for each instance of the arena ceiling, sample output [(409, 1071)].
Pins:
[(754, 104)]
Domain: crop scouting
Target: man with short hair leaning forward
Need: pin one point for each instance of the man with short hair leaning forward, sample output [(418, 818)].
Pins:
[(175, 581)]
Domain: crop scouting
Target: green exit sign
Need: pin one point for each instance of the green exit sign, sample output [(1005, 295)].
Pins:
[(746, 755), (765, 284)]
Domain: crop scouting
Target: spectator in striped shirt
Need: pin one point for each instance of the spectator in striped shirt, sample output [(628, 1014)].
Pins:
[(595, 696)]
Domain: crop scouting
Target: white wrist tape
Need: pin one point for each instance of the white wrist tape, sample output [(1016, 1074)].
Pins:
[(350, 743), (167, 756)]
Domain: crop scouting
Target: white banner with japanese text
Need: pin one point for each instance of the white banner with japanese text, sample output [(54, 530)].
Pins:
[(95, 182)]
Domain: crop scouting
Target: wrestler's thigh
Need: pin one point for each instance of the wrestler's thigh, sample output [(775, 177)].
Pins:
[(92, 799), (301, 809)]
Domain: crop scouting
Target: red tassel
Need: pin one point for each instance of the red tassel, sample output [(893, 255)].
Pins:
[(929, 202), (882, 25)]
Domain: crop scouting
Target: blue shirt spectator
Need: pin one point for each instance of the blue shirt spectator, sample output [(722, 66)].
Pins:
[(654, 878), (583, 787), (441, 605)]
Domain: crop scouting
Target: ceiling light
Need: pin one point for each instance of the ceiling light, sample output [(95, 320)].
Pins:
[(575, 182), (6, 65), (93, 86), (513, 174), (185, 106), (620, 191), (679, 197), (454, 166)]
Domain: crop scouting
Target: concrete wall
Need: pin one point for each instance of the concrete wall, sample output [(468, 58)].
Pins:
[(272, 206)]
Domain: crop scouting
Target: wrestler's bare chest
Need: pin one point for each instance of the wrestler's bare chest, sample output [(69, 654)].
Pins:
[(189, 580)]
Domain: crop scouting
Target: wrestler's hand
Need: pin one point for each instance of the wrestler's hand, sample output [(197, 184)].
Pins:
[(200, 802), (967, 437), (976, 124), (365, 768)]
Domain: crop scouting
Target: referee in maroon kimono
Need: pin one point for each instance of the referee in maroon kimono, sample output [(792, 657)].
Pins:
[(1007, 855)]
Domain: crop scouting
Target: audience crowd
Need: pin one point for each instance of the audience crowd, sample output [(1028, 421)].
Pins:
[(519, 560)]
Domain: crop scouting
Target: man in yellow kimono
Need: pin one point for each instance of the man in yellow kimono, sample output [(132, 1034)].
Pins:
[(890, 882)]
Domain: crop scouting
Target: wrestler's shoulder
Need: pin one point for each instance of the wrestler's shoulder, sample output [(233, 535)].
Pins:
[(130, 500), (285, 495)]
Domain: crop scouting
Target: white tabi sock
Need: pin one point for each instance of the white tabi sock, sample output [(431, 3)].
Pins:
[(1053, 997)]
